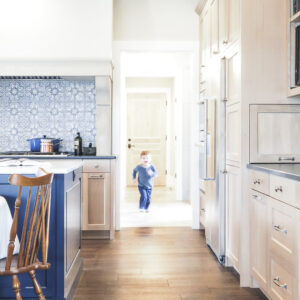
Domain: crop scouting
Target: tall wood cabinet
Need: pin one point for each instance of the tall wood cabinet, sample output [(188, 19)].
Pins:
[(219, 46), (252, 37)]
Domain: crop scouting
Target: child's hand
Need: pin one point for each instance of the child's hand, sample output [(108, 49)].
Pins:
[(133, 181), (150, 173)]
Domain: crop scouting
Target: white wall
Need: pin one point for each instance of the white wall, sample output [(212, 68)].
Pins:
[(155, 20), (56, 29)]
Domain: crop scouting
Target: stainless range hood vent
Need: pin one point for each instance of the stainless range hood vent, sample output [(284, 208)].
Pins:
[(30, 77)]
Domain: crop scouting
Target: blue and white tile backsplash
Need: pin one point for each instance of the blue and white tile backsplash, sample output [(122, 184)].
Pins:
[(56, 108)]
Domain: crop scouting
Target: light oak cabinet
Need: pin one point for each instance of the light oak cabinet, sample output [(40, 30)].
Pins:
[(214, 9), (259, 238), (229, 22), (233, 134), (274, 240), (274, 133), (97, 199), (233, 197)]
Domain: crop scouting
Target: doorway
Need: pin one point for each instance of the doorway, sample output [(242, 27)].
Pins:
[(132, 67), (151, 125)]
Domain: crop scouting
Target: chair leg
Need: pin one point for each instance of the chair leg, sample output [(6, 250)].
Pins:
[(36, 285), (16, 287)]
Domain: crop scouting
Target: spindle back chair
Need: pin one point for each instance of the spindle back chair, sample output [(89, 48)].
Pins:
[(34, 240)]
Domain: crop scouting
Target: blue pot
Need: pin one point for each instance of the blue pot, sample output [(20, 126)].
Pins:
[(35, 144)]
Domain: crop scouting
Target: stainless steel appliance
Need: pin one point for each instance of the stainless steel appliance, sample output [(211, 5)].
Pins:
[(213, 167)]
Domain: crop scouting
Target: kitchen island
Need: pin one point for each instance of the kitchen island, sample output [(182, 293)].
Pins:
[(65, 226)]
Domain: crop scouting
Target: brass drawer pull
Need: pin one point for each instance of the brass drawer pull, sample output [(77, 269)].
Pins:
[(277, 282), (256, 181), (277, 228), (203, 209), (278, 189)]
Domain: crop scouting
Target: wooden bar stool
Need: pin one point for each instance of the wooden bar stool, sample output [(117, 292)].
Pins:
[(35, 232)]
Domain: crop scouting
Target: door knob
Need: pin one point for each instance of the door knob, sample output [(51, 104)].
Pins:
[(129, 146)]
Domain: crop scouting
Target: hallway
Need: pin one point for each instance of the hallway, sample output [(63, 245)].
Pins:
[(156, 264), (165, 210)]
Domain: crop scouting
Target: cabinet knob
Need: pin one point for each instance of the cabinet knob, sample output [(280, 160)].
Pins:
[(256, 181), (225, 42), (278, 189), (257, 197)]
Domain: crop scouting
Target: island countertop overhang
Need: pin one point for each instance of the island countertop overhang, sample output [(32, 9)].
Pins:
[(32, 166)]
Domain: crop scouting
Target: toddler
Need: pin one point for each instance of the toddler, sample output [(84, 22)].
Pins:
[(146, 173)]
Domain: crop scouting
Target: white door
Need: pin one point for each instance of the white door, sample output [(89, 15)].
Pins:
[(146, 130)]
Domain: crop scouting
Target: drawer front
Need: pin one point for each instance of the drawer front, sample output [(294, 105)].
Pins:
[(284, 190), (282, 284), (259, 181), (95, 166), (283, 234)]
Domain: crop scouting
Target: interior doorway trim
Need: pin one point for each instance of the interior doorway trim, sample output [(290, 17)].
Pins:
[(121, 48)]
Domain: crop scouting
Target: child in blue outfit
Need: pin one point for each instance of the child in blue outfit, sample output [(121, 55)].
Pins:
[(146, 173)]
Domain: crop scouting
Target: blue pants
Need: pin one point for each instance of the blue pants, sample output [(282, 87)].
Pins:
[(145, 197)]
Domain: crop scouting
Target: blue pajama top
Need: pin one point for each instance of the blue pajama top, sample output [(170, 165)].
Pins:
[(144, 180)]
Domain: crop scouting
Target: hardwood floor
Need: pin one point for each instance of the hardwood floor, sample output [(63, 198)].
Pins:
[(156, 264)]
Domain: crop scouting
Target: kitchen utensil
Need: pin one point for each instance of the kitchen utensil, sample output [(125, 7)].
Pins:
[(35, 144), (46, 145)]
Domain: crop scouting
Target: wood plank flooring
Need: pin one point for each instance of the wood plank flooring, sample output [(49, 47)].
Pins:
[(156, 264)]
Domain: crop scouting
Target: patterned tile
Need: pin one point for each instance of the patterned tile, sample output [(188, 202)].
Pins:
[(56, 108)]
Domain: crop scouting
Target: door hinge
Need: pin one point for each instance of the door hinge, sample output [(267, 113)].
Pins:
[(175, 175), (225, 99), (166, 103), (166, 172), (166, 137)]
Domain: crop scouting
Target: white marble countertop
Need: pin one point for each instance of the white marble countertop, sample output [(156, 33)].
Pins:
[(30, 166)]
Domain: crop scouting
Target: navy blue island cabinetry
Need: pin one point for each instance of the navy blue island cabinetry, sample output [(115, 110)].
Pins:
[(64, 239)]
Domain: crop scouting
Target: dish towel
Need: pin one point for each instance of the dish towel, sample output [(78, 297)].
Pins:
[(5, 225)]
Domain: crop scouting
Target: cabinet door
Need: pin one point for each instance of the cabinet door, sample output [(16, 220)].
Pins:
[(274, 133), (233, 134), (234, 22), (284, 251), (96, 201), (233, 204), (214, 11), (229, 22), (73, 225), (206, 37), (259, 237)]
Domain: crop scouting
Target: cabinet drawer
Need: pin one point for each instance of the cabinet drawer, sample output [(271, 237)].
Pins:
[(283, 231), (259, 181), (285, 190), (96, 166), (282, 281)]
